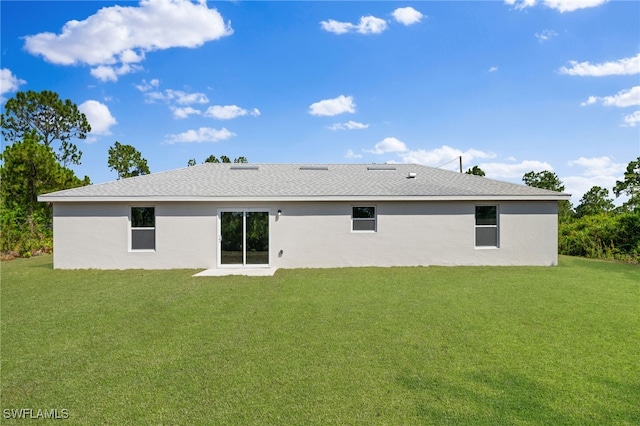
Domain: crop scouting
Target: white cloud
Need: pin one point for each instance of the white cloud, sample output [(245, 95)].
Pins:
[(335, 106), (624, 98), (228, 112), (178, 96), (438, 157), (145, 86), (109, 73), (514, 170), (520, 4), (389, 145), (184, 98), (590, 101), (98, 116), (351, 154), (9, 82), (407, 15), (371, 25), (445, 154), (560, 5), (349, 125), (184, 112), (152, 97), (179, 101), (597, 171), (493, 69), (632, 120), (545, 35), (625, 66), (598, 166), (203, 134), (129, 56), (118, 36), (572, 5), (336, 27), (366, 25), (577, 186)]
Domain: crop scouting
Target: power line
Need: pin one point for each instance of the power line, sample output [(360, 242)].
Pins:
[(455, 159)]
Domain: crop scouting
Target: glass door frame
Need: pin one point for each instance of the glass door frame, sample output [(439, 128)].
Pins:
[(243, 210)]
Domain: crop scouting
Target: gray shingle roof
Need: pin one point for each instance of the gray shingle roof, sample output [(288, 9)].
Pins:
[(211, 181)]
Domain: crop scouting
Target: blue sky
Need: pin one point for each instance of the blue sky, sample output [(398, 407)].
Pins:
[(511, 86)]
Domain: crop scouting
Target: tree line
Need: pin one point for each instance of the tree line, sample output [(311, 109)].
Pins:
[(39, 129)]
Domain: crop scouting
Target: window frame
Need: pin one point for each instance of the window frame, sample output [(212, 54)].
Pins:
[(373, 219), (477, 226), (132, 229)]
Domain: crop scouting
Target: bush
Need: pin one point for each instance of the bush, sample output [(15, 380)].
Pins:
[(23, 236), (603, 236)]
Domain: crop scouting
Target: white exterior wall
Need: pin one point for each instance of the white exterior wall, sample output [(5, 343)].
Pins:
[(98, 236), (414, 233), (309, 234)]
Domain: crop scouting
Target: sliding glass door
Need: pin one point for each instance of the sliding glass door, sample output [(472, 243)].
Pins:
[(244, 237)]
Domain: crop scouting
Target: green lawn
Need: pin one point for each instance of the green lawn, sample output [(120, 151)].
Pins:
[(481, 345)]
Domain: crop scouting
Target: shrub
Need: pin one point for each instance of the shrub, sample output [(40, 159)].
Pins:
[(602, 236)]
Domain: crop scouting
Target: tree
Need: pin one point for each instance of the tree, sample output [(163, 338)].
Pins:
[(29, 169), (49, 118), (127, 161), (630, 186), (222, 159), (544, 179), (549, 180), (191, 162), (475, 170), (594, 201)]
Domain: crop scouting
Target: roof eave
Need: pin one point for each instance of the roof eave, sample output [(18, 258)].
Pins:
[(324, 198)]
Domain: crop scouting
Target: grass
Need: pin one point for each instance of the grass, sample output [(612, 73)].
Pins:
[(481, 345)]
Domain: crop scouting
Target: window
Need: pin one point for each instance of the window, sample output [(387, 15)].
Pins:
[(486, 226), (363, 219), (143, 228)]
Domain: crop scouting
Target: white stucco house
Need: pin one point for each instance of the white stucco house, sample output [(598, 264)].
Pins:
[(225, 217)]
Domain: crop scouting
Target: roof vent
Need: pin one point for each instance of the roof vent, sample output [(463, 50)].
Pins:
[(244, 167), (314, 167), (412, 175), (380, 167)]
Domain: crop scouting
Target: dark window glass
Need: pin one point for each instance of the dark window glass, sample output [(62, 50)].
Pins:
[(143, 217), (487, 236), (364, 212), (257, 236), (364, 225), (143, 239), (486, 215)]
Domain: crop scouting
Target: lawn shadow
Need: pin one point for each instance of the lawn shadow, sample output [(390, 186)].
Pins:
[(43, 261), (48, 265), (483, 398), (628, 398)]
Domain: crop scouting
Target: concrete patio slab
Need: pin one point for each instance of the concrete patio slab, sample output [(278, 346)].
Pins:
[(250, 272)]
